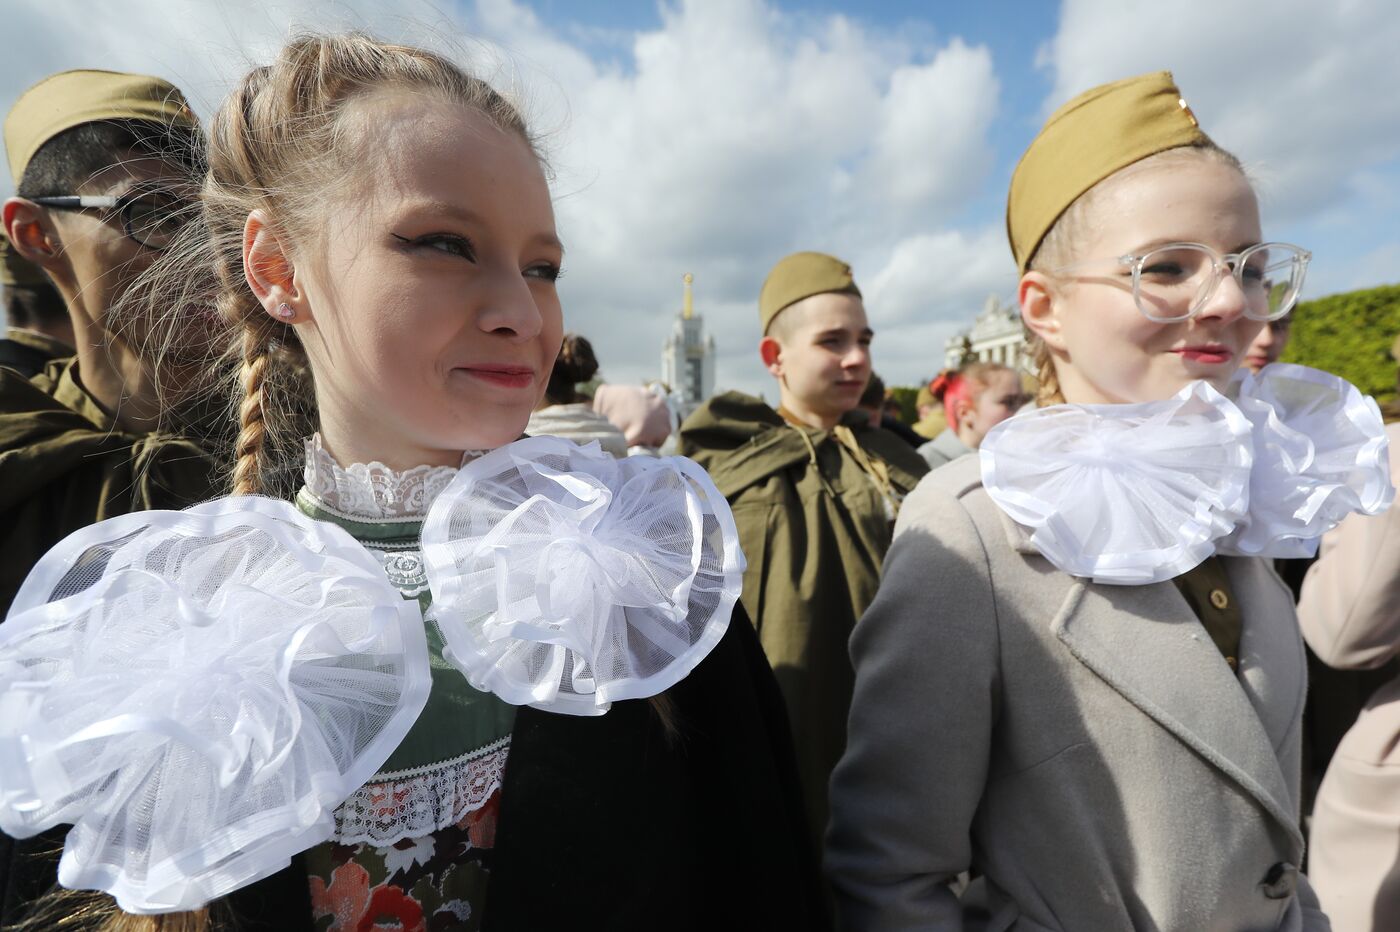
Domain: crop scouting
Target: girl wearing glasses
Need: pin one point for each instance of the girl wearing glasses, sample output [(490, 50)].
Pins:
[(1099, 717)]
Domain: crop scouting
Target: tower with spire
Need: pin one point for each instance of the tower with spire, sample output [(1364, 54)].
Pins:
[(688, 357)]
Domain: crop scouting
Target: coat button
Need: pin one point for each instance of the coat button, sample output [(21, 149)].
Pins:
[(1219, 599), (1281, 881)]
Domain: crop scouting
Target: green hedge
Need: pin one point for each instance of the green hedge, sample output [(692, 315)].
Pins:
[(906, 396), (1350, 334)]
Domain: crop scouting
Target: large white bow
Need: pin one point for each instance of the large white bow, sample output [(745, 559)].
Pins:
[(1139, 493), (197, 691)]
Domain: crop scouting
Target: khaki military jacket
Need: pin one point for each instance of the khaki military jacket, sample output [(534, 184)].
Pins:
[(64, 464), (28, 352), (814, 528)]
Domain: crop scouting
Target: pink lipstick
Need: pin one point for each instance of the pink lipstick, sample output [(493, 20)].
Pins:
[(504, 376)]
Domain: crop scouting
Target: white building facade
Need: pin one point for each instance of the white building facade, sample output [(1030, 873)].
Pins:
[(995, 336)]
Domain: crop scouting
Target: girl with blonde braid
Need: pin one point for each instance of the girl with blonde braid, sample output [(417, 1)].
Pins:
[(465, 681)]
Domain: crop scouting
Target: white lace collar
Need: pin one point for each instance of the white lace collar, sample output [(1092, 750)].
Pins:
[(373, 491), (1140, 493)]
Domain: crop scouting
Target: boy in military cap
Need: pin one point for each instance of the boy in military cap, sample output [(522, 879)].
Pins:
[(814, 490), (105, 165), (37, 327)]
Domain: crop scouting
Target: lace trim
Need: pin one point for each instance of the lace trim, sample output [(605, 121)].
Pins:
[(404, 568), (372, 490), (414, 803)]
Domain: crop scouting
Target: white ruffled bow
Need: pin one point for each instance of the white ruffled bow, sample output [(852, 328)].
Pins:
[(1140, 493), (197, 691)]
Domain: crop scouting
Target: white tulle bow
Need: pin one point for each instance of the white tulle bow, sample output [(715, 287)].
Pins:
[(1139, 493), (566, 579), (196, 692), (1320, 455)]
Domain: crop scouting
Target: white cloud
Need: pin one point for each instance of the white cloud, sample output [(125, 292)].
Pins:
[(1304, 92), (737, 135), (715, 143)]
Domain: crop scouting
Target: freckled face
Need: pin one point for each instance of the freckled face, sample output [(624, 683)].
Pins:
[(435, 315), (1110, 352)]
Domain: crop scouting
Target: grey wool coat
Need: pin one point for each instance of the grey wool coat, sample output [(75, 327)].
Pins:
[(1085, 747)]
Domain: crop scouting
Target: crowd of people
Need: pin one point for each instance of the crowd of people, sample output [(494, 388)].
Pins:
[(339, 595)]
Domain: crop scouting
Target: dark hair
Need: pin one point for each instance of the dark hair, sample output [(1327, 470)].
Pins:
[(69, 160), (874, 394), (34, 306), (576, 363)]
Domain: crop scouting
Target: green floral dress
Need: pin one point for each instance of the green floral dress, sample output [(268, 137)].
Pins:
[(412, 849)]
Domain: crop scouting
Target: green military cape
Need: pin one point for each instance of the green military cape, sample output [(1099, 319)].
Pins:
[(814, 529), (29, 352), (64, 464)]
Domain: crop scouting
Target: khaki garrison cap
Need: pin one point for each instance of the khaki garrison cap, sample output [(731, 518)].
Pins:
[(799, 276), (17, 271), (1094, 135), (72, 98)]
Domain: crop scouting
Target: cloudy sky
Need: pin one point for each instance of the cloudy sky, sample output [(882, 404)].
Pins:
[(715, 136)]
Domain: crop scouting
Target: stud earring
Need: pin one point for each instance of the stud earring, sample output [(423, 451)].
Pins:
[(286, 311)]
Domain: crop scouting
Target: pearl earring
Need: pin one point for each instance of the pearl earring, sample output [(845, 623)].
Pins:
[(286, 311)]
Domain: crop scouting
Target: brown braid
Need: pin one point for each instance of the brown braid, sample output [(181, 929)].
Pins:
[(1048, 382)]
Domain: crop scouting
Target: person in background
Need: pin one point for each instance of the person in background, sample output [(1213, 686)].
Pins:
[(976, 398), (1350, 614), (931, 420), (564, 412), (1270, 344), (1336, 696), (105, 165), (884, 411), (872, 400), (639, 412), (79, 442), (37, 329), (814, 490)]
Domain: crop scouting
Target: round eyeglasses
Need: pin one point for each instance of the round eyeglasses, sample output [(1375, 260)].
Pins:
[(152, 218), (1174, 281)]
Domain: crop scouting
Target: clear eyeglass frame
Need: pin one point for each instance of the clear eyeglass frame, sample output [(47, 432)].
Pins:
[(1279, 296), (150, 217)]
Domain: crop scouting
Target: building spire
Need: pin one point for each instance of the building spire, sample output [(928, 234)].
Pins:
[(688, 306)]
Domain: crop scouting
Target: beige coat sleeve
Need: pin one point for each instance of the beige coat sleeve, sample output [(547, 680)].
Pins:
[(927, 679), (1350, 606)]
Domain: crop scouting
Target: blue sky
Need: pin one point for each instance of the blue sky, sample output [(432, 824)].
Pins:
[(714, 136)]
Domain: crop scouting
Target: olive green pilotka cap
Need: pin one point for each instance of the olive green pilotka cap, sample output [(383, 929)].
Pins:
[(17, 271), (1104, 129), (72, 98), (799, 276)]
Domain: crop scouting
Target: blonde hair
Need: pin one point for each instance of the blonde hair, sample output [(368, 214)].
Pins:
[(277, 144), (1061, 243)]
